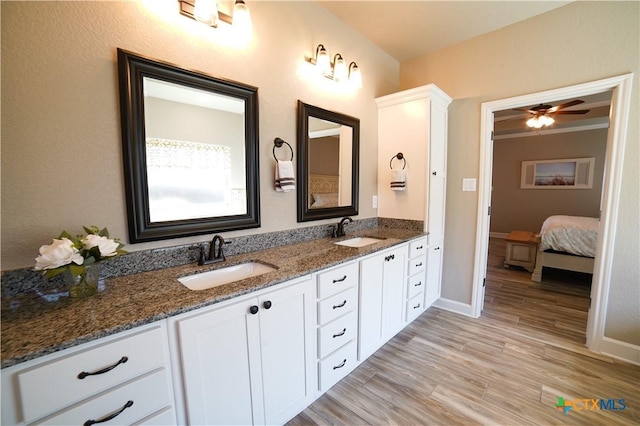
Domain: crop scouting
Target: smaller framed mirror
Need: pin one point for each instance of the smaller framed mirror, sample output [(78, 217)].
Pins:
[(328, 158)]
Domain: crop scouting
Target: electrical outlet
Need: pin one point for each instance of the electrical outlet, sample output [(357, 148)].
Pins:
[(374, 201)]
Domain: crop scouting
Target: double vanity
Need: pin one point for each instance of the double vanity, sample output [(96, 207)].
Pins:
[(256, 350)]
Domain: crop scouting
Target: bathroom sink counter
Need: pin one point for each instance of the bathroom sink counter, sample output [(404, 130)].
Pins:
[(33, 326)]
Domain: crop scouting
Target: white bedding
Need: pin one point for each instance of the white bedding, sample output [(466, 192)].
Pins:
[(572, 234)]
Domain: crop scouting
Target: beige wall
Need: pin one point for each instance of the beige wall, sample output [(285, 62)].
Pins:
[(61, 147), (513, 208), (587, 41)]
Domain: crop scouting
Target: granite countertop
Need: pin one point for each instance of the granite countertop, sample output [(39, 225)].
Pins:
[(34, 325)]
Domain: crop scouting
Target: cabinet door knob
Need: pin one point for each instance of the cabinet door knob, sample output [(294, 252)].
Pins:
[(110, 416), (254, 309), (84, 374), (435, 173), (267, 304), (437, 248)]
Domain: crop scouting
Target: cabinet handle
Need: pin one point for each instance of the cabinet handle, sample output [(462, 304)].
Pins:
[(419, 248), (418, 284), (84, 374), (340, 305), (390, 257), (267, 304), (110, 416), (435, 173), (418, 265), (437, 248), (340, 280), (341, 365), (417, 306), (344, 330), (254, 309)]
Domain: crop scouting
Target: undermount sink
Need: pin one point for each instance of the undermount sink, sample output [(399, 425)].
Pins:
[(210, 279), (359, 242)]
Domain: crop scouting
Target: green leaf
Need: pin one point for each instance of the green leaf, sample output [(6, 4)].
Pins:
[(50, 273), (76, 269), (65, 234), (104, 233)]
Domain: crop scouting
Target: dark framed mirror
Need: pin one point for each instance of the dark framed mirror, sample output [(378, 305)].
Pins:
[(189, 149), (328, 158)]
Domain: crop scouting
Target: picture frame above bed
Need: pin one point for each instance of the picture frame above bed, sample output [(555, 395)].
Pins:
[(568, 173)]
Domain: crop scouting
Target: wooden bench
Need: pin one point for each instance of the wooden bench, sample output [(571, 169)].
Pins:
[(522, 247)]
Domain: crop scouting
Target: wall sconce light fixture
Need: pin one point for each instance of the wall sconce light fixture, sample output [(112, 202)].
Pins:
[(206, 11), (337, 70)]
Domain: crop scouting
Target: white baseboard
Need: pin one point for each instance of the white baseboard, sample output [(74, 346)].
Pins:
[(620, 350), (453, 306), (501, 235)]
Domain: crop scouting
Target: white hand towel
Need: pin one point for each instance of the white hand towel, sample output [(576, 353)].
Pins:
[(285, 178), (398, 180)]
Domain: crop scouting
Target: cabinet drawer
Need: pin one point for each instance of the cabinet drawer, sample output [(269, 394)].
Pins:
[(417, 247), (166, 416), (415, 306), (335, 306), (337, 365), (336, 334), (416, 285), (121, 360), (417, 264), (337, 279), (135, 400)]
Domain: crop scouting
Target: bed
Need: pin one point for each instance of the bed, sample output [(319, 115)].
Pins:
[(567, 242)]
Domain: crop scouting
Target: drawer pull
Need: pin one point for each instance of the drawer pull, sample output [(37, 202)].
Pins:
[(437, 248), (341, 365), (419, 248), (84, 374), (110, 416), (418, 265), (344, 330), (390, 257), (418, 284), (340, 280), (417, 306), (340, 305)]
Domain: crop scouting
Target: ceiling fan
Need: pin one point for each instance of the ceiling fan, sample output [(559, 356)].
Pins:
[(543, 113)]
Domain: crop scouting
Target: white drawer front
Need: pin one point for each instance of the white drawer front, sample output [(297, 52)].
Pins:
[(137, 400), (338, 305), (144, 351), (337, 280), (416, 285), (337, 365), (415, 306), (336, 334), (166, 416), (417, 264), (417, 247)]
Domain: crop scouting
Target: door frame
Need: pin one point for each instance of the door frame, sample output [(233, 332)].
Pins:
[(612, 179)]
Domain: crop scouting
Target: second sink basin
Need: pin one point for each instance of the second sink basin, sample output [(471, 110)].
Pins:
[(359, 241), (210, 279)]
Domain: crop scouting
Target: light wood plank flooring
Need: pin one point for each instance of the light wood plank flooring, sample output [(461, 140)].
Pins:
[(507, 367)]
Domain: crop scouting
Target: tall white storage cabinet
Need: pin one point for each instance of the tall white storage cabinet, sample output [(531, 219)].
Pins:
[(414, 122)]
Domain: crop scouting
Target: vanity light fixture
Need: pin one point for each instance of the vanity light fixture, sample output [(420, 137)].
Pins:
[(337, 70), (206, 11)]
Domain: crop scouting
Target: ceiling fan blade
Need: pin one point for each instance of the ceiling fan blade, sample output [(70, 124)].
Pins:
[(530, 111), (577, 111), (565, 105)]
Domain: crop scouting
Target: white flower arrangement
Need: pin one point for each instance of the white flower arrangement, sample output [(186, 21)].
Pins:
[(74, 254)]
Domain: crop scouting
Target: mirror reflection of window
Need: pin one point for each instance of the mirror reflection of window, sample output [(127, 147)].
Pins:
[(195, 152)]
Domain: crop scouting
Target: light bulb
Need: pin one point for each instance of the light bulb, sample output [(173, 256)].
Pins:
[(242, 18), (355, 76), (323, 63), (340, 72), (206, 11)]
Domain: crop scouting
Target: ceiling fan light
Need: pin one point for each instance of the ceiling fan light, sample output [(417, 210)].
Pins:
[(546, 120), (534, 122)]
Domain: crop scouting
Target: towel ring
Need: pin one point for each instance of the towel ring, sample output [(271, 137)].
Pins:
[(277, 143), (399, 156)]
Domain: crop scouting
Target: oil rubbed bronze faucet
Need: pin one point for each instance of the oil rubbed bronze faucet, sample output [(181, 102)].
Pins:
[(216, 254), (340, 230)]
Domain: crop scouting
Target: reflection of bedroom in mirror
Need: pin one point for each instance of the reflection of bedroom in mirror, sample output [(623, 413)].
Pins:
[(328, 146)]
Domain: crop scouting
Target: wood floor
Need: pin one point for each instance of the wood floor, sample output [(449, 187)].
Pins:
[(508, 367)]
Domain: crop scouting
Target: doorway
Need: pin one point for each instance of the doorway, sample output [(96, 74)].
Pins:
[(621, 99)]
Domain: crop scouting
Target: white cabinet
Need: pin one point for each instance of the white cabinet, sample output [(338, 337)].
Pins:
[(382, 298), (434, 274), (126, 377), (337, 323), (251, 360), (417, 279)]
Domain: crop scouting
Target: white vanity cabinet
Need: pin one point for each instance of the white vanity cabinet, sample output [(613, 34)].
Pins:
[(249, 360), (125, 377), (337, 323), (381, 298)]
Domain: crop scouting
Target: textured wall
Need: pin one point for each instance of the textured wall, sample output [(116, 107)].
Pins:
[(591, 41), (61, 148)]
